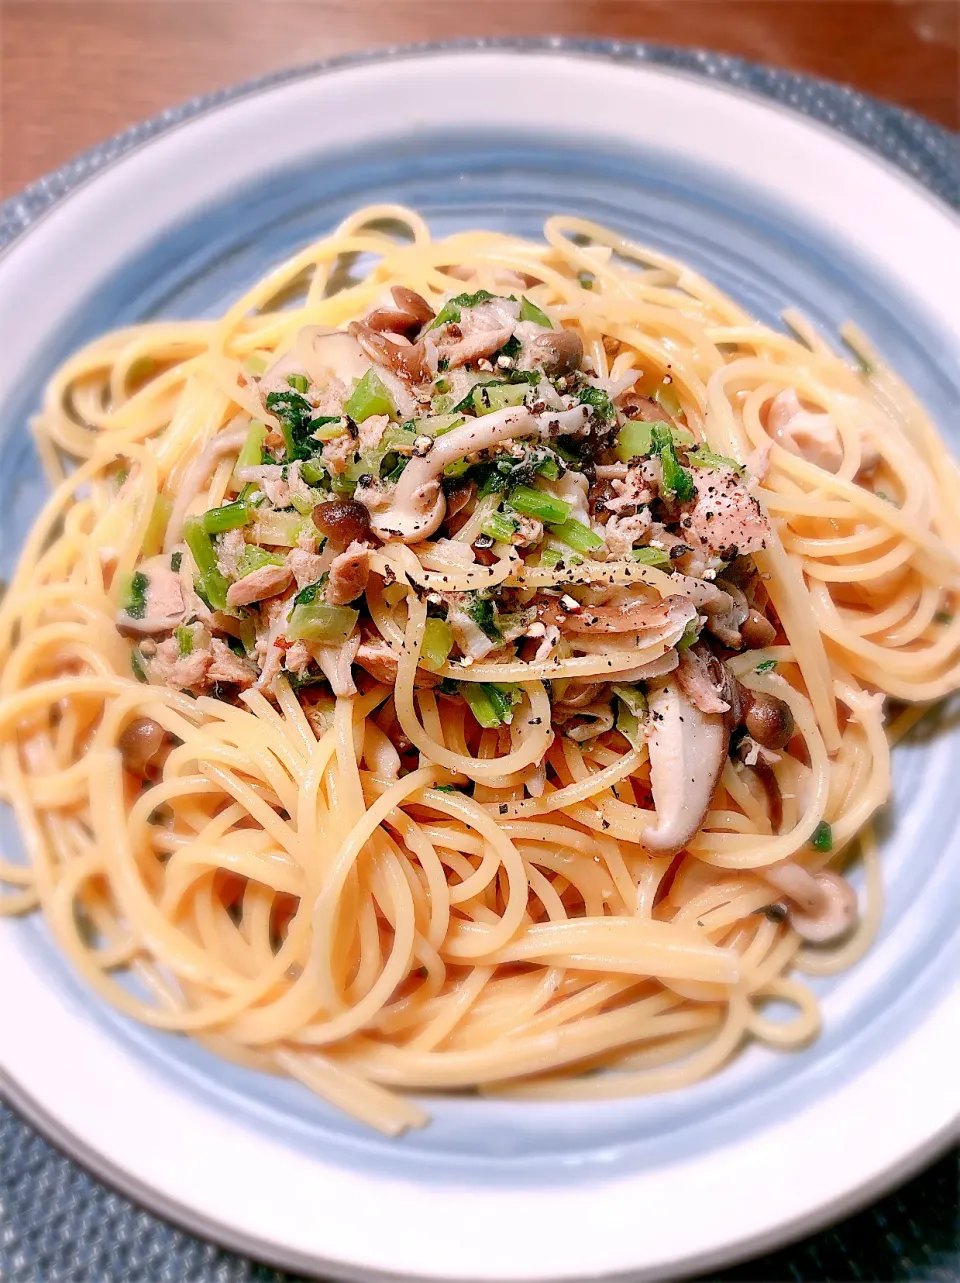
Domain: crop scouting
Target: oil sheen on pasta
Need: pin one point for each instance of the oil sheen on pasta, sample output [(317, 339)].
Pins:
[(475, 676)]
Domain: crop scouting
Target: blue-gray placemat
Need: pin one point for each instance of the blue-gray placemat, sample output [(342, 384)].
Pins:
[(60, 1225)]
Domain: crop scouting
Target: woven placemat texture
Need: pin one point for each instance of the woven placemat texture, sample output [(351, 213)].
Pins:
[(60, 1225)]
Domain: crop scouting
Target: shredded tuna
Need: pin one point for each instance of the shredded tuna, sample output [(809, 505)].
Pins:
[(268, 581), (349, 573), (701, 679), (230, 547), (620, 534), (228, 667), (726, 516), (339, 453), (307, 567), (181, 672)]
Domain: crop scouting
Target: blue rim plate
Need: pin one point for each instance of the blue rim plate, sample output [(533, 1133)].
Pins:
[(776, 210)]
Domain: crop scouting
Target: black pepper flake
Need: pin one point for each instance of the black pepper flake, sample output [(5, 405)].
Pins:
[(503, 808)]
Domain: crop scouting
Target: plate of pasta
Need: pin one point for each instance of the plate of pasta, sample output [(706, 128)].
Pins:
[(478, 661)]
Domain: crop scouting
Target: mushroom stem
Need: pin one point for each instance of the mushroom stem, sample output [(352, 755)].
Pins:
[(687, 751), (418, 506)]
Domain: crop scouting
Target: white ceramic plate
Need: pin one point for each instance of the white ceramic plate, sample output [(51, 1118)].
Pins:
[(778, 211)]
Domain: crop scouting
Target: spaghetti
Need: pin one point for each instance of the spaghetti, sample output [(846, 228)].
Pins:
[(469, 673)]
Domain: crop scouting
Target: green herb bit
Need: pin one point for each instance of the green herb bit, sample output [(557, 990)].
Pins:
[(458, 468), (368, 398), (702, 457), (550, 558), (666, 398), (766, 666), (633, 696), (313, 472), (654, 557), (450, 312), (295, 415), (251, 452), (500, 527), (547, 466), (210, 583), (598, 401), (437, 644), (822, 839), (491, 704), (176, 561), (482, 613), (629, 725), (229, 517), (309, 594), (535, 503), (327, 427), (136, 665), (530, 312), (134, 601), (943, 617), (689, 635), (184, 638), (254, 558), (445, 788), (577, 536), (675, 479), (322, 623), (586, 280), (299, 382)]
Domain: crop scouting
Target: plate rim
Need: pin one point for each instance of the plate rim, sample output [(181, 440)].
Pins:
[(261, 1251), (110, 151), (858, 1195)]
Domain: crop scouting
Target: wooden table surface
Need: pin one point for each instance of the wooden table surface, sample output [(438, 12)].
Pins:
[(76, 71)]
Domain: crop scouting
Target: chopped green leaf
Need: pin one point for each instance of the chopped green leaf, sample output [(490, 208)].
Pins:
[(536, 503), (822, 839), (499, 527), (632, 696), (299, 382), (701, 457), (255, 558), (450, 312), (598, 401), (437, 644), (689, 635), (251, 452), (134, 601), (210, 583), (530, 312), (229, 517), (309, 594), (481, 612), (629, 725), (576, 535), (766, 666), (327, 427), (654, 557), (322, 623), (369, 397), (295, 415), (184, 638), (491, 704), (176, 560), (136, 665), (676, 480)]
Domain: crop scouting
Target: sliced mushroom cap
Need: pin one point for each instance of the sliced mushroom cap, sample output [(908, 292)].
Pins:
[(768, 720), (145, 746), (557, 352), (404, 359), (687, 751)]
